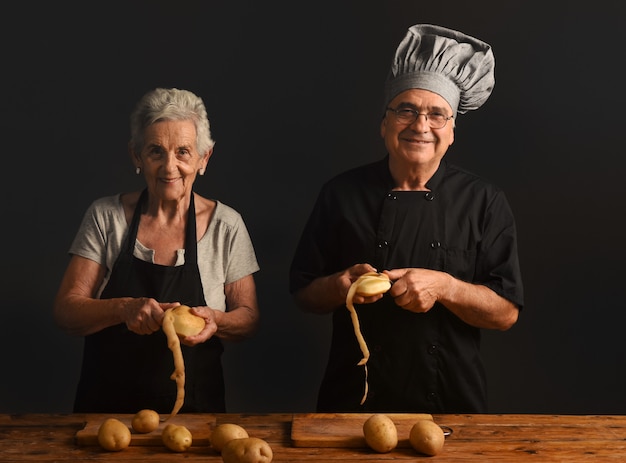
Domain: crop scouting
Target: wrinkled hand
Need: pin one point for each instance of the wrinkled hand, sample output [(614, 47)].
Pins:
[(144, 315), (210, 326), (416, 289)]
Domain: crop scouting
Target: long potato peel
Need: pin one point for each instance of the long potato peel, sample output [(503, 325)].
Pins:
[(368, 284), (173, 342)]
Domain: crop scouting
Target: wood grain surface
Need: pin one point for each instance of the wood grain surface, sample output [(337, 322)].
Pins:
[(345, 429), (509, 438)]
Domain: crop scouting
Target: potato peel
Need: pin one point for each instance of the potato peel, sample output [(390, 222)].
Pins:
[(173, 343), (368, 284)]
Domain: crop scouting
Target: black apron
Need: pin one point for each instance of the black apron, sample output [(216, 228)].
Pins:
[(124, 372)]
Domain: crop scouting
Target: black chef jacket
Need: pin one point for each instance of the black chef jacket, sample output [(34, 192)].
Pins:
[(427, 362), (124, 372)]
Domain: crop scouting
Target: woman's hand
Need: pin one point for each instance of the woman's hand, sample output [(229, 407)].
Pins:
[(144, 315), (210, 326)]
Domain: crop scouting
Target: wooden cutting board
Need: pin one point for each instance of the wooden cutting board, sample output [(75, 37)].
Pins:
[(200, 426), (345, 429)]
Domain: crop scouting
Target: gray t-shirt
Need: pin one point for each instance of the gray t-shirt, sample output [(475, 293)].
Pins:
[(225, 251)]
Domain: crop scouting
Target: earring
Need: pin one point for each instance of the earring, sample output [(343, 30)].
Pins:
[(138, 170), (201, 171)]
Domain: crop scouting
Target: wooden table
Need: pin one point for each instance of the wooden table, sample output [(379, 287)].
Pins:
[(476, 438)]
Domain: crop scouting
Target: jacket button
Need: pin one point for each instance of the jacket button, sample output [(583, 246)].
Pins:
[(435, 244), (429, 196), (432, 349)]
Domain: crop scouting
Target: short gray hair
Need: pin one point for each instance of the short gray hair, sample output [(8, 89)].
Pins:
[(170, 104)]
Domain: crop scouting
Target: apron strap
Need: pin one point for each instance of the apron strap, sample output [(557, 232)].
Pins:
[(191, 239), (134, 225)]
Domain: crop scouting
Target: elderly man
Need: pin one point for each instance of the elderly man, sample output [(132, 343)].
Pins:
[(445, 237)]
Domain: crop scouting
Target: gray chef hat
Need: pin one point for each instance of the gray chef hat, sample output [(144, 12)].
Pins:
[(454, 65)]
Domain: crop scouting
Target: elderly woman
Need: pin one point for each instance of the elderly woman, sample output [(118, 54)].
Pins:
[(138, 254)]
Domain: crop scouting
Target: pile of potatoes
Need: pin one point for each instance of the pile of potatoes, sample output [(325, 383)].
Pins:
[(236, 446), (381, 435), (113, 435), (228, 439)]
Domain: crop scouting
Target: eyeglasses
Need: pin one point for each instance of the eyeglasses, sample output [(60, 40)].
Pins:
[(409, 116)]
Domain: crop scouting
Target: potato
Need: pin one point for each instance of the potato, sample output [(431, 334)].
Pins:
[(225, 432), (186, 323), (176, 438), (113, 435), (427, 437), (380, 433), (145, 421), (247, 450)]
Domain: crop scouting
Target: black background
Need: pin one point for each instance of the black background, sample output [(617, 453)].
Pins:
[(294, 95)]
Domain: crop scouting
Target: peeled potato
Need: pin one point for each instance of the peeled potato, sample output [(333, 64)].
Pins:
[(380, 433), (176, 438), (145, 421), (247, 450), (372, 284), (225, 432), (427, 437), (186, 323), (113, 435)]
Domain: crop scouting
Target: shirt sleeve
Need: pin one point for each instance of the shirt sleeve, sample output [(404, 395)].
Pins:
[(99, 224), (309, 258), (498, 263), (225, 255), (242, 261)]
